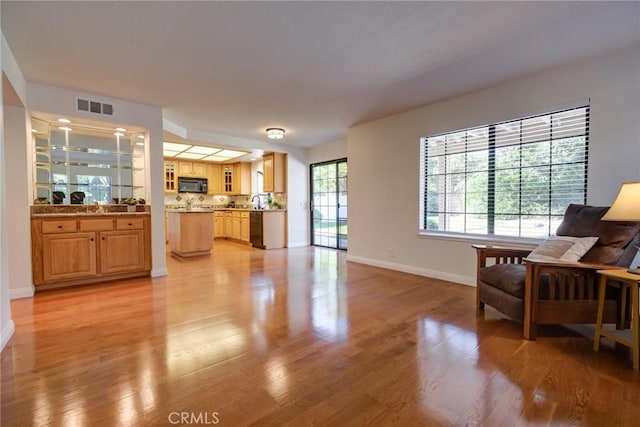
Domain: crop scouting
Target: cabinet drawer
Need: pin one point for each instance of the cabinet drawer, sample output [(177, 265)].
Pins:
[(244, 214), (96, 225), (218, 214), (228, 214), (68, 226), (129, 224), (236, 214)]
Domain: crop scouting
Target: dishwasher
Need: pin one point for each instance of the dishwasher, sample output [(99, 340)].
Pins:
[(255, 229)]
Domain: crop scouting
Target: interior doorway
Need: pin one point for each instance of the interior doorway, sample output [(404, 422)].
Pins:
[(329, 204)]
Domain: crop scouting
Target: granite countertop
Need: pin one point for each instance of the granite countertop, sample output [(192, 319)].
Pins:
[(87, 214)]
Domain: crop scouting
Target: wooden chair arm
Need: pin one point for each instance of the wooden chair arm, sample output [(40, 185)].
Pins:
[(557, 264), (500, 254)]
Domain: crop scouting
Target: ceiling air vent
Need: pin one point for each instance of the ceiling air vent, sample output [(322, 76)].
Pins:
[(94, 107)]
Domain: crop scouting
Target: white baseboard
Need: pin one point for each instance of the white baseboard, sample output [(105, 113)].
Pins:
[(159, 272), (297, 244), (27, 292), (7, 333), (456, 278)]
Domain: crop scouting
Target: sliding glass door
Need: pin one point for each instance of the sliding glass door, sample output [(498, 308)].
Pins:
[(329, 204)]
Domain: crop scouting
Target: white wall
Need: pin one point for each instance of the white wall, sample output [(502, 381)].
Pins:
[(384, 157), (18, 217), (326, 152), (6, 324)]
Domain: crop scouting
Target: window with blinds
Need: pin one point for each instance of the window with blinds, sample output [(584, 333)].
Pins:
[(512, 179)]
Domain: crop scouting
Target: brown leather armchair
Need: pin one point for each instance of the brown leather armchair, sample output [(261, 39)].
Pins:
[(557, 292)]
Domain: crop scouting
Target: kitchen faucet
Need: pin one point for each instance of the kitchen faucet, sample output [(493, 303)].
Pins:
[(259, 201)]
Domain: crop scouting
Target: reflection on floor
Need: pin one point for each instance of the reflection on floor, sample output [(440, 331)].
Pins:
[(297, 337)]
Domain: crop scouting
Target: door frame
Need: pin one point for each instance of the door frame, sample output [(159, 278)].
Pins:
[(311, 204)]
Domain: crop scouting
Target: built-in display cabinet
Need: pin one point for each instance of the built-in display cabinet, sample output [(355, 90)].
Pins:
[(72, 161)]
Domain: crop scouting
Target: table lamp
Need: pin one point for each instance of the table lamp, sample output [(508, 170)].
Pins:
[(626, 207)]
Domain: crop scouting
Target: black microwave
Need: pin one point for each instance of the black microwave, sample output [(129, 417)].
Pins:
[(192, 185)]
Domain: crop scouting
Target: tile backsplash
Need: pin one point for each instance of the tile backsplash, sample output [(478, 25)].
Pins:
[(220, 201)]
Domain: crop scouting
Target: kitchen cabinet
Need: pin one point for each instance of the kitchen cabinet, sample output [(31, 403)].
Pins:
[(68, 256), (244, 226), (192, 169), (218, 225), (170, 182), (242, 178), (214, 177), (123, 249), (228, 224), (66, 252), (227, 179), (274, 169), (236, 178), (236, 226)]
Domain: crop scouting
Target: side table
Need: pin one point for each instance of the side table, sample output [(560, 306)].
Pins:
[(626, 280)]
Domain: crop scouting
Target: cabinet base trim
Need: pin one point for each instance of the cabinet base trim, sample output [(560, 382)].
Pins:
[(90, 281)]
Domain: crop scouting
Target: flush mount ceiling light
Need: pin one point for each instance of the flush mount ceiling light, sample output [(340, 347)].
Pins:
[(275, 133)]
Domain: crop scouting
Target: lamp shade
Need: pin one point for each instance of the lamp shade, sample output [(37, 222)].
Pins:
[(626, 207)]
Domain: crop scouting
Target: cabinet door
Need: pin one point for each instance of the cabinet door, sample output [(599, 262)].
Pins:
[(185, 169), (236, 228), (274, 168), (218, 226), (227, 177), (214, 176), (267, 170), (244, 230), (200, 170), (170, 177), (68, 256), (242, 178), (121, 251), (228, 226)]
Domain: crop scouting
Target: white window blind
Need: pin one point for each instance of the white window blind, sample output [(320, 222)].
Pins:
[(511, 179)]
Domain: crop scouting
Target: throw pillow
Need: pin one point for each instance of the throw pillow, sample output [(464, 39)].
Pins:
[(563, 248)]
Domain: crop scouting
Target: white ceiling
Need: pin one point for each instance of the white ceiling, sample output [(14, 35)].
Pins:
[(314, 68)]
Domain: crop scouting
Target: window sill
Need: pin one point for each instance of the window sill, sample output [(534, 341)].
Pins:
[(520, 242)]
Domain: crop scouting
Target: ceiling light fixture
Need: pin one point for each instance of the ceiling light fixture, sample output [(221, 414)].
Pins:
[(121, 129), (275, 133), (64, 120)]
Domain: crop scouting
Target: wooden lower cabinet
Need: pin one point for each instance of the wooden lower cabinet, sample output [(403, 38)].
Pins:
[(68, 256), (218, 225), (121, 251), (244, 227), (66, 252)]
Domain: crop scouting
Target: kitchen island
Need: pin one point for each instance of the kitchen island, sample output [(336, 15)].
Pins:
[(190, 232)]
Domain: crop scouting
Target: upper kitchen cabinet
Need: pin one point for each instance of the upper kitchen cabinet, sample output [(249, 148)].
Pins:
[(214, 176), (193, 169), (242, 178), (274, 168), (86, 164), (170, 177), (236, 178)]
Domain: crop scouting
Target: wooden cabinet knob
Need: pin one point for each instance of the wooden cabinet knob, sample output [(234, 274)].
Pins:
[(59, 226)]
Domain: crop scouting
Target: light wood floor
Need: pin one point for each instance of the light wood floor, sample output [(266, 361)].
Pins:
[(298, 337)]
